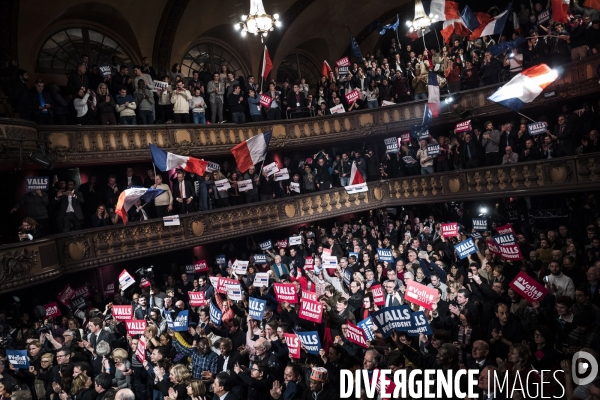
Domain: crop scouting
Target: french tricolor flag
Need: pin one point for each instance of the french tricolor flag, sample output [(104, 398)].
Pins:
[(524, 87), (493, 26), (433, 98), (252, 151), (443, 9), (166, 161), (355, 176)]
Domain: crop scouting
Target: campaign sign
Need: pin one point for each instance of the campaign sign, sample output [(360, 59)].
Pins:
[(396, 318), (310, 340), (476, 235), (286, 292), (419, 132), (295, 240), (504, 229), (215, 314), (505, 239), (159, 85), (326, 252), (353, 96), (222, 185), (463, 126), (391, 145), (181, 322), (388, 103), (197, 299), (433, 149), (492, 246), (465, 248), (282, 244), (37, 183), (295, 187), (169, 320), (266, 245), (311, 311), (234, 292), (140, 353), (293, 344), (450, 230), (543, 17), (260, 259), (528, 287), (281, 175), (190, 269), (343, 71), (405, 137), (240, 267), (18, 358), (83, 291), (221, 259), (212, 166), (78, 303), (343, 62), (66, 295), (385, 255), (329, 262), (420, 294), (221, 288), (261, 279), (312, 296), (419, 325), (409, 160), (200, 266), (510, 252), (356, 335), (265, 100), (135, 326), (537, 128), (122, 313), (271, 168), (171, 220), (106, 70), (125, 280), (337, 109), (378, 295), (257, 308), (480, 224), (245, 185), (352, 253), (110, 289), (366, 325), (309, 263), (52, 310)]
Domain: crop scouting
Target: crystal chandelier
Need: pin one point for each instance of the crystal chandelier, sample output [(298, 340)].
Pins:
[(257, 22), (421, 20)]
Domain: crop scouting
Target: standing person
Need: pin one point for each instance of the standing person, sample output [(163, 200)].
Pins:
[(490, 142), (216, 90), (198, 106), (254, 106), (125, 107), (21, 96), (163, 203), (424, 158), (252, 194), (181, 104), (106, 106), (41, 105), (69, 211), (489, 70), (37, 207), (183, 192), (144, 98), (165, 108), (85, 106), (274, 109), (237, 105)]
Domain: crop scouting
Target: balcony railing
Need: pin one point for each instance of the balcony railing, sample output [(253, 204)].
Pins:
[(29, 263), (83, 145)]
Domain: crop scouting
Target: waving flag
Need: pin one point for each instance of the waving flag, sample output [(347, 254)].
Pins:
[(524, 87), (433, 98), (469, 18), (267, 64), (560, 8), (166, 161), (503, 47), (492, 26), (252, 151), (393, 26), (355, 48), (128, 197), (454, 26), (355, 176), (443, 9), (326, 69), (414, 35)]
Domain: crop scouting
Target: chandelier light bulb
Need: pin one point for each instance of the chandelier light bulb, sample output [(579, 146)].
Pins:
[(408, 23), (276, 16), (278, 24), (236, 27), (244, 17), (244, 33)]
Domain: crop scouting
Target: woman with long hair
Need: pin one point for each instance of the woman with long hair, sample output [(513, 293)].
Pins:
[(234, 194), (65, 372), (85, 105), (221, 196), (30, 229), (101, 217), (175, 73), (465, 334), (196, 390), (106, 105), (122, 378)]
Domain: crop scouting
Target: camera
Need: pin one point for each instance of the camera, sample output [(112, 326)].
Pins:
[(43, 329), (511, 56)]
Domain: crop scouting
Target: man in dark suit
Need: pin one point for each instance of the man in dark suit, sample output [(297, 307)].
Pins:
[(69, 207), (228, 357), (21, 101), (469, 152), (295, 103), (131, 180), (391, 296), (97, 335), (487, 381), (142, 311), (507, 138), (137, 212), (479, 359), (531, 152), (563, 135), (183, 192), (41, 105), (222, 387)]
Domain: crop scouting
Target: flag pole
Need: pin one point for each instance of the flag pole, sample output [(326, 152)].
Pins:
[(523, 115), (261, 166), (437, 39), (397, 38)]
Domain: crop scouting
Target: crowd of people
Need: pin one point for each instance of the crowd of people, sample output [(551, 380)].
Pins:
[(108, 94), (478, 319)]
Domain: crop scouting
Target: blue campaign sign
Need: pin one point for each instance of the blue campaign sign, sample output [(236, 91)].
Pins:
[(353, 253), (390, 319), (310, 340), (536, 128), (366, 325), (476, 235), (465, 248), (181, 322), (257, 308), (419, 132), (260, 259), (419, 325), (347, 276), (221, 259), (266, 245), (385, 255), (433, 149), (18, 358), (215, 314), (169, 320), (508, 238), (480, 224)]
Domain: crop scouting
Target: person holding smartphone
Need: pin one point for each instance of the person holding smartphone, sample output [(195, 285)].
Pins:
[(101, 217)]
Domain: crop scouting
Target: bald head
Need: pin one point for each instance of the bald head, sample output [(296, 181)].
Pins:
[(125, 394)]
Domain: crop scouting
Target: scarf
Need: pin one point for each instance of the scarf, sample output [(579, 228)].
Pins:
[(464, 337)]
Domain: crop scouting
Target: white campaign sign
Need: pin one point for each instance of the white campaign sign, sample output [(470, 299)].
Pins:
[(222, 185), (282, 175), (245, 185), (271, 168)]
